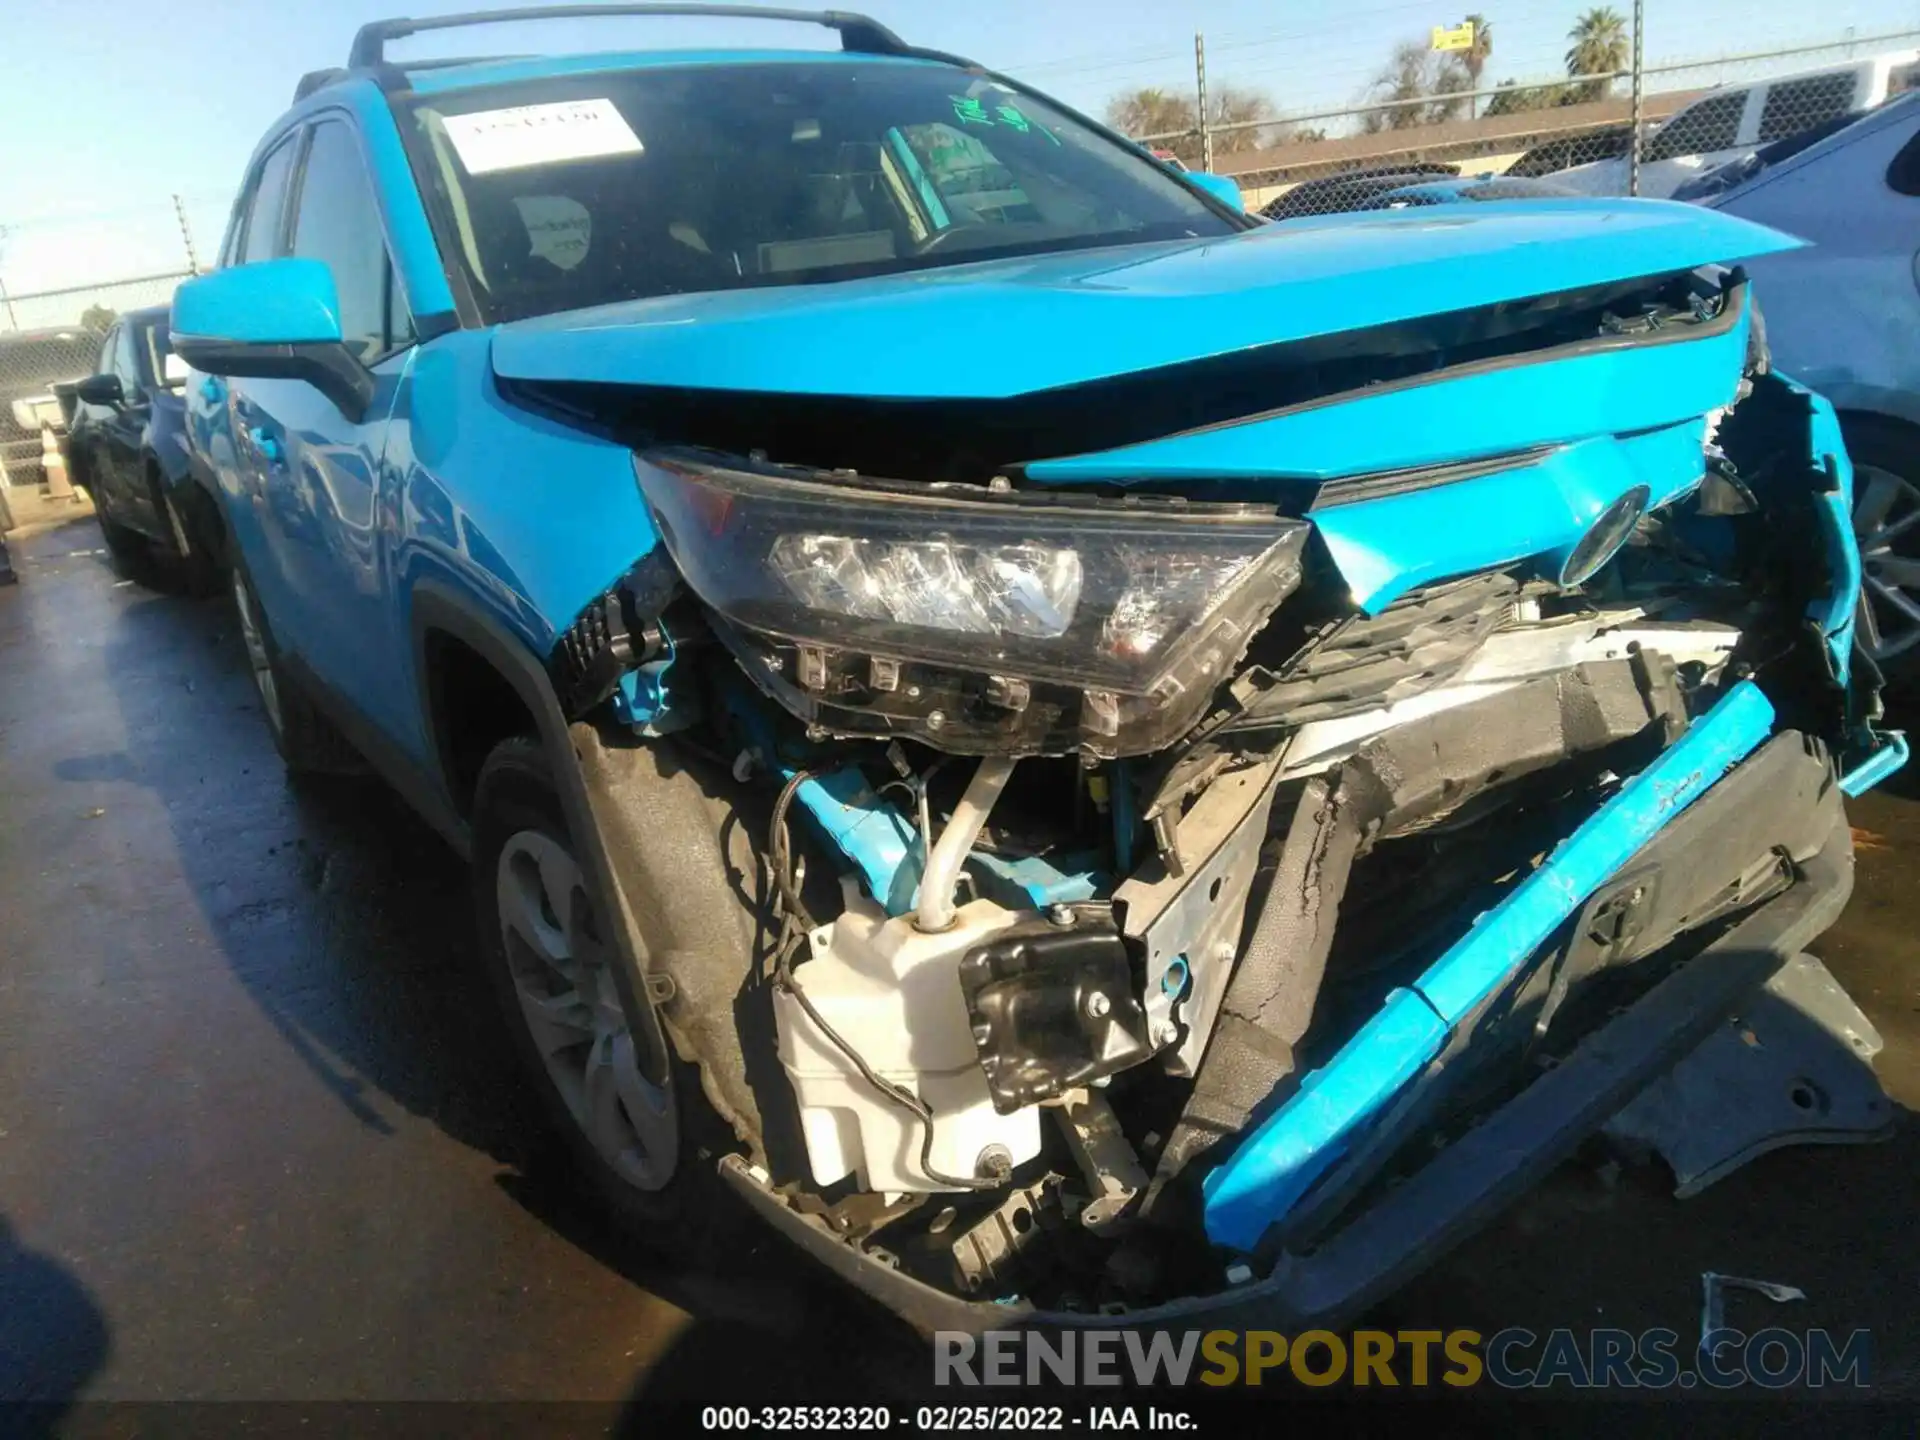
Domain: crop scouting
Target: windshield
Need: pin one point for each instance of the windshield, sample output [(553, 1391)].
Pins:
[(580, 190)]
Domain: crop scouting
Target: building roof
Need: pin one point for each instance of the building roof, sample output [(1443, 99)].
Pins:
[(1455, 140)]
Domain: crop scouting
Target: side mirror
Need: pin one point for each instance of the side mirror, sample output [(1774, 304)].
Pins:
[(101, 390), (1223, 188), (275, 320)]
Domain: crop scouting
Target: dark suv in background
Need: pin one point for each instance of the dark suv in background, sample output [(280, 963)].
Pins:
[(127, 446)]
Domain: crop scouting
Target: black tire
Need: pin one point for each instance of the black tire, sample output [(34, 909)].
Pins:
[(126, 548), (1885, 446), (306, 739), (193, 560), (516, 798)]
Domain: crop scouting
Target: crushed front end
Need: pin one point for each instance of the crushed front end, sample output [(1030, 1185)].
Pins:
[(1221, 860)]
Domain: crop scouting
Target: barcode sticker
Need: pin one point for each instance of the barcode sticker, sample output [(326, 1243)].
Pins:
[(490, 140)]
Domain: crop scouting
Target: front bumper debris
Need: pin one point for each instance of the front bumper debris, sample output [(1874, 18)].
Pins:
[(1271, 1168), (1379, 1247)]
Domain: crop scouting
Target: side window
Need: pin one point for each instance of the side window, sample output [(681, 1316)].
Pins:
[(262, 239), (1796, 105), (1710, 124), (126, 363), (1903, 174), (339, 223), (104, 365)]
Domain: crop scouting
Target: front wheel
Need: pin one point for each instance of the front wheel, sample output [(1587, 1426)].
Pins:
[(1886, 525), (614, 1104)]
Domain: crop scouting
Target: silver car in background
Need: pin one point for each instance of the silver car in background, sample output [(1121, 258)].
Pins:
[(1843, 317)]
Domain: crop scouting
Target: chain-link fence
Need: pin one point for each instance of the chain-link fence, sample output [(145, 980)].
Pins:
[(48, 340), (1431, 126), (52, 325)]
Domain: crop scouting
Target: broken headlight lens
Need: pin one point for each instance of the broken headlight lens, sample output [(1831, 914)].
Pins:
[(1029, 590), (1115, 619)]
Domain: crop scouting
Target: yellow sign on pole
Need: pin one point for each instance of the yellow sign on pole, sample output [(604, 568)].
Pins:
[(1460, 37)]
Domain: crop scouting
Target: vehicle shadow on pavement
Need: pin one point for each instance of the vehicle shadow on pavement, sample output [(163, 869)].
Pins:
[(347, 924), (53, 1338)]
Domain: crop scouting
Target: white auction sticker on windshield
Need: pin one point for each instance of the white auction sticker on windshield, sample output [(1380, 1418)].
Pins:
[(490, 140)]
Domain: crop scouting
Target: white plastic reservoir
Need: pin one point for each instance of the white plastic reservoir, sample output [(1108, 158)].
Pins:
[(893, 993)]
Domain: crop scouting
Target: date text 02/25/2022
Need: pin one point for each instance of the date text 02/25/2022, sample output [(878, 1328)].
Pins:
[(942, 1419)]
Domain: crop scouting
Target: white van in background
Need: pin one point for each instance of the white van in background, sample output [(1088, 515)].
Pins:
[(1732, 122)]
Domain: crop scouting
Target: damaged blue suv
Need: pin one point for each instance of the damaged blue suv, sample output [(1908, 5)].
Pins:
[(1091, 759)]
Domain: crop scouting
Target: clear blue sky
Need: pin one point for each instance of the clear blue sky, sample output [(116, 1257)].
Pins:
[(109, 107)]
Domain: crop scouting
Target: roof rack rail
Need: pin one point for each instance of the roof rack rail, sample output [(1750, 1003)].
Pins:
[(857, 32), (316, 80)]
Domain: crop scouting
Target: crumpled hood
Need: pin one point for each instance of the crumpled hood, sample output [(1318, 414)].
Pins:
[(994, 329)]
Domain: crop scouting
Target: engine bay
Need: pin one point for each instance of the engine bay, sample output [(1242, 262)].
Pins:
[(1106, 925)]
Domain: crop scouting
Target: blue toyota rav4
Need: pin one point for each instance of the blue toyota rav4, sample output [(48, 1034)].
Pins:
[(1091, 759)]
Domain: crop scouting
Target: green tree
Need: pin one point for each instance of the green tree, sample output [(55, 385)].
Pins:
[(1230, 105), (97, 316), (1150, 111), (1413, 73), (1596, 45), (1153, 111), (1474, 59), (1512, 98)]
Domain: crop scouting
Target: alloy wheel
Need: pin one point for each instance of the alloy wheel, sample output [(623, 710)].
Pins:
[(257, 655), (1886, 524), (562, 977)]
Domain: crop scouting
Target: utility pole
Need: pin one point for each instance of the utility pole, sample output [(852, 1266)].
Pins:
[(1200, 86), (13, 320), (1633, 141), (186, 234)]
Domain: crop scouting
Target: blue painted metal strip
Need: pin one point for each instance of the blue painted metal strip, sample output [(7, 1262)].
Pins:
[(1035, 881), (869, 832), (1385, 547), (1276, 1163), (1444, 418), (1891, 755)]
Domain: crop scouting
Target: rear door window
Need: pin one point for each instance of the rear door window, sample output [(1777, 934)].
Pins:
[(1795, 105), (1711, 124)]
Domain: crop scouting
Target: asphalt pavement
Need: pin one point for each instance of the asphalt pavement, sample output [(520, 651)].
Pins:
[(260, 1138)]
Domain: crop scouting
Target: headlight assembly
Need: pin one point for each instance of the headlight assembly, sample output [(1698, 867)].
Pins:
[(981, 621)]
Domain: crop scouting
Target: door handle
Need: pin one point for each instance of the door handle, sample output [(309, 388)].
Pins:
[(210, 390), (265, 443)]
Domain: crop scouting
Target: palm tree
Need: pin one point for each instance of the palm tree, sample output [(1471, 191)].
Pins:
[(1597, 45), (1476, 56)]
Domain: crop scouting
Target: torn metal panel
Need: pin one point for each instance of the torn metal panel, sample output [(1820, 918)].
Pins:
[(1188, 924)]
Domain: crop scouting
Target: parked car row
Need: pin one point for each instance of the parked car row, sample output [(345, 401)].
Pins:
[(1090, 758), (1737, 119), (127, 446), (1841, 313)]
